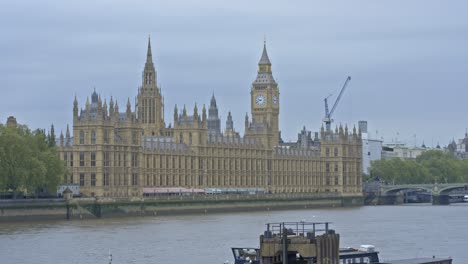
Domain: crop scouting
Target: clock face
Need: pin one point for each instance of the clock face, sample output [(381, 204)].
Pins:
[(275, 100), (260, 100)]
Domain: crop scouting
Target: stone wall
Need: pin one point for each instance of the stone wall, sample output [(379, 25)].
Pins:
[(102, 208)]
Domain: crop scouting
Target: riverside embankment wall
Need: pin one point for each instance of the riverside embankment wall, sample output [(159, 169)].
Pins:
[(83, 208)]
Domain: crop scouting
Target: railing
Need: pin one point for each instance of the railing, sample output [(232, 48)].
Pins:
[(225, 197), (295, 228), (30, 201)]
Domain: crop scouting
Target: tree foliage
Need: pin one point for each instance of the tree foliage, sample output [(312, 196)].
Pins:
[(433, 166), (28, 161)]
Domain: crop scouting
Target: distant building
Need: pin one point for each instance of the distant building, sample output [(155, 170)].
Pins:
[(74, 188), (371, 148), (400, 150), (11, 122), (459, 148)]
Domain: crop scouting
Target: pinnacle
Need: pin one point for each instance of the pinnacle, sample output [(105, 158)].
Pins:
[(264, 60), (213, 101), (149, 56)]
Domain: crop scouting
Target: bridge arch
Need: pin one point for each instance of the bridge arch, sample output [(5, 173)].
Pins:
[(448, 189), (395, 190)]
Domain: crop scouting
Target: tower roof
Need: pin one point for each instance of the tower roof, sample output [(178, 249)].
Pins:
[(213, 101), (94, 97), (264, 75), (229, 122), (149, 56), (264, 60)]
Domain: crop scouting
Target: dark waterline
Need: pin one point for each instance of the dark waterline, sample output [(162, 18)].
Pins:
[(396, 231)]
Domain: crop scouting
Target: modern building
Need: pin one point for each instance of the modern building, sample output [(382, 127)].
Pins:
[(371, 148), (130, 153)]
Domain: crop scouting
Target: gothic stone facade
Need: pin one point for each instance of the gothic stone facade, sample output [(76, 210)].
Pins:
[(119, 154)]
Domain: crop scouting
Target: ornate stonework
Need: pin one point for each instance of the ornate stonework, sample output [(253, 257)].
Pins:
[(121, 154)]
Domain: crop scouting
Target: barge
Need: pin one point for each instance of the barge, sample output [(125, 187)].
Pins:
[(312, 243)]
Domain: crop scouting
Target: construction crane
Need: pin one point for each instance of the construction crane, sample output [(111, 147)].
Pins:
[(328, 114)]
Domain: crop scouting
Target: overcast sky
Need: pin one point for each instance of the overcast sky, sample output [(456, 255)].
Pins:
[(408, 60)]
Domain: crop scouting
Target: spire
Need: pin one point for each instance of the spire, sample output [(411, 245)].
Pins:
[(67, 136), (75, 107), (129, 108), (104, 109), (195, 112), (111, 107), (149, 74), (87, 108), (61, 138), (99, 104), (116, 108), (264, 60), (213, 101), (94, 96), (229, 122), (204, 113), (176, 115), (246, 121), (149, 56), (214, 123), (184, 112), (264, 74)]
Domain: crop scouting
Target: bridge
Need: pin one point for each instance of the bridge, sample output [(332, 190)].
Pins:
[(441, 193)]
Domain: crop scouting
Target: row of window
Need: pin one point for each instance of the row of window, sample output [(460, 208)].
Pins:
[(335, 152), (148, 111), (90, 179), (121, 180), (106, 159), (222, 163), (93, 137)]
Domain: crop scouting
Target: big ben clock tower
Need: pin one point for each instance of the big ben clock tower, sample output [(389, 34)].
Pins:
[(265, 102)]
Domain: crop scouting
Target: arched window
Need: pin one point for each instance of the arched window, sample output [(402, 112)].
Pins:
[(93, 137), (106, 136), (81, 137), (180, 138), (134, 138), (190, 138)]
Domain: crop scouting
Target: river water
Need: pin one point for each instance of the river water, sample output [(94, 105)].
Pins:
[(406, 231)]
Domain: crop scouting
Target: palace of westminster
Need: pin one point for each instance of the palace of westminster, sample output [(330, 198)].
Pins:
[(122, 154)]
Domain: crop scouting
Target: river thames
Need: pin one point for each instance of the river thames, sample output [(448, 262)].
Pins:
[(406, 231)]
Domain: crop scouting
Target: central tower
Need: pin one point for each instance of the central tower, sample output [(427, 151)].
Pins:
[(150, 105), (265, 101)]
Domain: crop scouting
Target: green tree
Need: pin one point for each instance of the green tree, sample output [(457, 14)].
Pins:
[(51, 137), (430, 167), (14, 157), (28, 161)]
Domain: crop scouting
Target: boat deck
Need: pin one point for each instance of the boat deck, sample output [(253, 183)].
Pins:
[(421, 261)]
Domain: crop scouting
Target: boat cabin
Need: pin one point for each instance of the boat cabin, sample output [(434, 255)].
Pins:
[(312, 243), (246, 255)]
